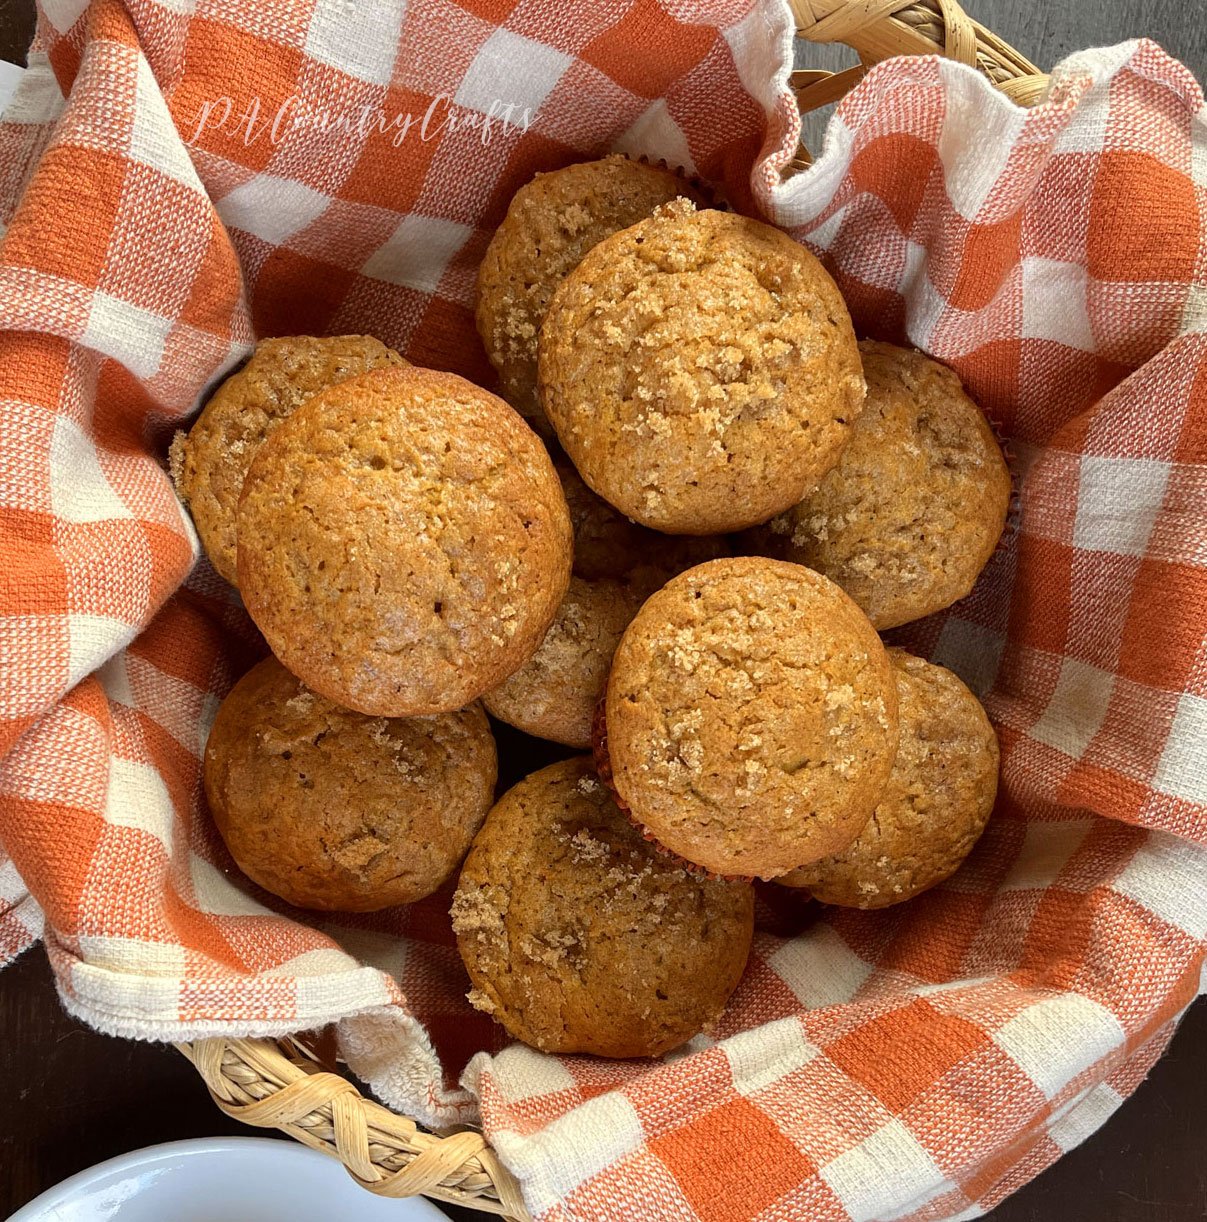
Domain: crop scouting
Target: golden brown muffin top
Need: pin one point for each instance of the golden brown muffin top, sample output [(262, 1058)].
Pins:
[(751, 717), (211, 462), (912, 512), (332, 810), (553, 695), (936, 803), (550, 224), (403, 542), (700, 370), (580, 936)]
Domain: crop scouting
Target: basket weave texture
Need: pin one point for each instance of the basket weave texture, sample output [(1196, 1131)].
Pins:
[(921, 1063)]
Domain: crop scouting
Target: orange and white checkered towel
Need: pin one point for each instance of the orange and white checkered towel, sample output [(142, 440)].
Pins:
[(178, 178)]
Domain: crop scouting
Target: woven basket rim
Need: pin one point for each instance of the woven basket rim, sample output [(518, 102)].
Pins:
[(278, 1083)]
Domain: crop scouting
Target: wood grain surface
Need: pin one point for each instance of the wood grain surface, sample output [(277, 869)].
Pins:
[(70, 1098)]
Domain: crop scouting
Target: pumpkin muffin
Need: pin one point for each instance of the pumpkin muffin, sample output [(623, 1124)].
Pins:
[(550, 224), (553, 695), (912, 512), (750, 717), (607, 544), (404, 542), (210, 463), (935, 805), (579, 936), (332, 810), (700, 370)]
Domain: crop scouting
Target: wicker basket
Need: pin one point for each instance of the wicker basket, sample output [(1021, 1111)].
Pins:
[(284, 1084)]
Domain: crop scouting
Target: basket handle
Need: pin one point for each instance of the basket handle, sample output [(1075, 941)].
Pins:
[(255, 1081), (878, 29)]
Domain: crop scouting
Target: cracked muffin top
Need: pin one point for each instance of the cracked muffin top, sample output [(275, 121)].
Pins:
[(581, 936), (211, 462), (550, 224), (935, 805), (912, 512), (750, 717), (403, 542), (700, 370), (333, 810)]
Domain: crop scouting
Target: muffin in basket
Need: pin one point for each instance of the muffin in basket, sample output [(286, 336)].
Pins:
[(333, 810), (210, 462), (751, 717), (553, 695), (700, 370), (579, 936), (550, 224), (914, 508), (403, 542), (932, 809)]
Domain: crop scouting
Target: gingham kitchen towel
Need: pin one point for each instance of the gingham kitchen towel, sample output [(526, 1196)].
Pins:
[(178, 178)]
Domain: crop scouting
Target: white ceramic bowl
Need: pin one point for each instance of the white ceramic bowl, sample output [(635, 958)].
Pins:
[(220, 1179)]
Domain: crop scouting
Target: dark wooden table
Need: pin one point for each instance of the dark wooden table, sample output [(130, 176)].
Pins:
[(70, 1097)]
